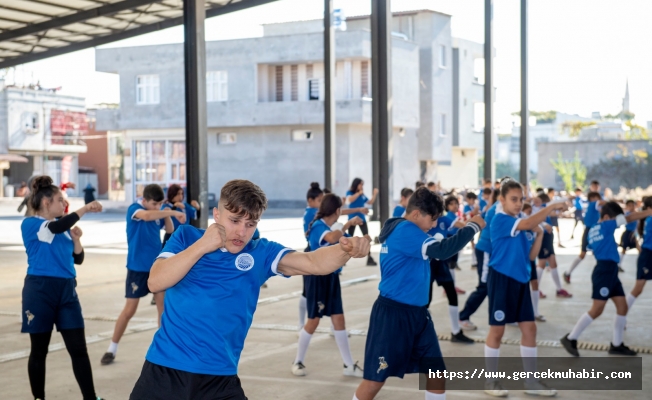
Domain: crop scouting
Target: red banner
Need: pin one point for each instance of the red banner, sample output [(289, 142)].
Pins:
[(67, 123)]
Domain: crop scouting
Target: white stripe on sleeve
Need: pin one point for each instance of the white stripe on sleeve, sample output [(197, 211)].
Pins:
[(424, 247), (166, 254), (274, 265)]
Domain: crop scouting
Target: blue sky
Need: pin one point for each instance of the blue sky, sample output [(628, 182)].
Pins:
[(581, 51)]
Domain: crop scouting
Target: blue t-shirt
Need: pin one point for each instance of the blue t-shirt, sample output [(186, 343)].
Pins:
[(484, 243), (404, 265), (317, 232), (209, 312), (510, 247), (647, 234), (631, 227), (48, 254), (467, 209), (451, 217), (190, 211), (308, 216), (399, 211), (441, 227), (361, 201), (483, 205), (578, 202), (143, 240), (602, 241), (592, 215)]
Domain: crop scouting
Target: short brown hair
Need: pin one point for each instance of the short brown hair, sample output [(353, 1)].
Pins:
[(243, 198)]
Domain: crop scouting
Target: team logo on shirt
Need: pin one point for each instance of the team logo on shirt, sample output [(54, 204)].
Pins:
[(383, 364), (604, 292), (30, 317), (499, 315), (134, 287), (529, 236), (321, 306), (244, 262)]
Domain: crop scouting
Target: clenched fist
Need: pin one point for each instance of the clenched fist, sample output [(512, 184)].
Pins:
[(355, 247), (94, 207), (214, 238), (76, 233), (180, 216), (479, 220)]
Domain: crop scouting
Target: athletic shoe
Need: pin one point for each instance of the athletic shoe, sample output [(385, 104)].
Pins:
[(542, 295), (461, 338), (494, 388), (468, 325), (153, 302), (620, 269), (107, 358), (353, 370), (371, 262), (263, 286), (563, 293), (538, 388), (460, 291), (561, 246), (570, 345), (566, 276), (299, 369), (540, 318), (621, 350)]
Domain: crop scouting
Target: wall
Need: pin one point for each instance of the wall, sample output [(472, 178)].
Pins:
[(470, 93), (97, 157), (4, 122), (463, 171)]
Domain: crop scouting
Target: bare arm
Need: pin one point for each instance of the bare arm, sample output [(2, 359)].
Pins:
[(153, 215), (361, 210), (353, 197), (530, 223), (635, 216), (169, 226), (325, 260), (536, 246), (373, 197), (334, 236)]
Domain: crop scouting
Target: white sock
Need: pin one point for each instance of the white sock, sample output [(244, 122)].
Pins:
[(355, 397), (540, 273), (435, 396), (113, 348), (622, 257), (303, 310), (453, 274), (485, 268), (529, 355), (582, 323), (534, 295), (619, 329), (491, 358), (630, 301), (455, 319), (342, 340), (555, 278), (304, 341), (574, 265)]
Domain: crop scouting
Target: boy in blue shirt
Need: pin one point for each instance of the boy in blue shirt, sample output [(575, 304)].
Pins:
[(212, 281), (471, 209), (399, 210), (145, 219), (644, 262), (606, 284), (590, 219), (628, 239), (547, 253), (356, 198), (405, 275), (578, 203)]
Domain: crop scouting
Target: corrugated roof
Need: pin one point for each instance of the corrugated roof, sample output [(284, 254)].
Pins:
[(32, 30)]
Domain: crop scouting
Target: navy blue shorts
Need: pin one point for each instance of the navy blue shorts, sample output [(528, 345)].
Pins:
[(547, 247), (399, 336), (323, 295), (509, 299), (533, 271), (49, 301), (440, 272), (554, 221), (628, 240), (136, 284), (644, 265), (585, 239), (579, 216), (606, 283)]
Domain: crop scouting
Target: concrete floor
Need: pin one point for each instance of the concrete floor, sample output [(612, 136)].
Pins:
[(271, 344)]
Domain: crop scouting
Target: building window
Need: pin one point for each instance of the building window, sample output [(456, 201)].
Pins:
[(217, 86), (162, 162), (147, 89), (315, 89), (443, 63), (294, 82), (279, 83), (301, 136), (227, 138), (442, 125), (30, 122), (364, 79)]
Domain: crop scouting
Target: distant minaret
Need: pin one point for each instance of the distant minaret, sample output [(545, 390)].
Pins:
[(626, 98)]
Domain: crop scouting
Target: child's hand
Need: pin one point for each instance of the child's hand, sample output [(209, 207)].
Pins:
[(76, 233)]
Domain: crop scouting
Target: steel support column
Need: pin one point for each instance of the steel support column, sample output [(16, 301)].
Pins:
[(525, 113), (489, 167), (329, 96), (382, 104), (194, 14)]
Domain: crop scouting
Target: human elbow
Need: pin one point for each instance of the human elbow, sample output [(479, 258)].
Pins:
[(154, 282)]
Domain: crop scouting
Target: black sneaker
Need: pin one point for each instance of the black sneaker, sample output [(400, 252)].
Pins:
[(461, 338), (570, 345), (107, 358), (620, 269), (371, 262), (621, 350), (474, 266)]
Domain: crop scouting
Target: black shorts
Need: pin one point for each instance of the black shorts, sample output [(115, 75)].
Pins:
[(547, 247), (439, 272), (163, 383), (364, 228), (644, 265), (606, 283), (628, 240), (323, 295), (585, 239), (136, 284), (579, 216)]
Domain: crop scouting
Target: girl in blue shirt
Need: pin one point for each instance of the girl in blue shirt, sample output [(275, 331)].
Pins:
[(49, 297), (644, 263), (606, 284), (355, 197), (323, 292), (175, 196), (508, 284), (628, 239), (399, 210)]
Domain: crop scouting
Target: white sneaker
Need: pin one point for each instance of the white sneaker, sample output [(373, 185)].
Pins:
[(538, 388), (299, 369), (353, 370), (494, 388), (468, 326)]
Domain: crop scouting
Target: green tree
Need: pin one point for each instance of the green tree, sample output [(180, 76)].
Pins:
[(579, 171), (574, 128)]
